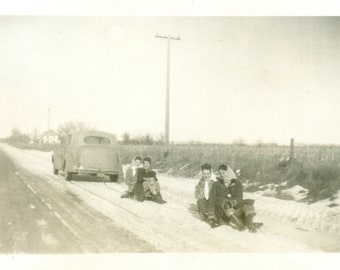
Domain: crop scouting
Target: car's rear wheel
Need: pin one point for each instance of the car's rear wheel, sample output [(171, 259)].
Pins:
[(114, 178), (68, 176), (55, 171)]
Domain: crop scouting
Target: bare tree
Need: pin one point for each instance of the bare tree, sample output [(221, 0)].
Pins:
[(18, 137), (15, 133), (126, 138), (68, 127), (160, 139), (35, 135), (239, 142), (147, 140)]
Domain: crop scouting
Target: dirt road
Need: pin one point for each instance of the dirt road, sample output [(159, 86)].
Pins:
[(37, 217), (88, 215)]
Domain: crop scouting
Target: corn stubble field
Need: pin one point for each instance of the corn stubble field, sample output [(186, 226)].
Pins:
[(316, 168)]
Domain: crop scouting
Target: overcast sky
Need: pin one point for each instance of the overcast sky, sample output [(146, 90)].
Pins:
[(254, 78)]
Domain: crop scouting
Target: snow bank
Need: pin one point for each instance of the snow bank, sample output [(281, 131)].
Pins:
[(295, 193)]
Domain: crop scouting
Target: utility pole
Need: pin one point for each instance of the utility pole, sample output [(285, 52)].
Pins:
[(48, 119), (167, 101), (291, 153)]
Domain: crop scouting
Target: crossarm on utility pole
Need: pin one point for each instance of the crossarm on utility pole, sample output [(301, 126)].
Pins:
[(168, 37)]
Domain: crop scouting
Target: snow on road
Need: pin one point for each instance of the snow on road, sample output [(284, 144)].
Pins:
[(175, 227)]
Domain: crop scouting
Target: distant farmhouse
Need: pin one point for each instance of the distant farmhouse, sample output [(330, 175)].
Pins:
[(49, 137)]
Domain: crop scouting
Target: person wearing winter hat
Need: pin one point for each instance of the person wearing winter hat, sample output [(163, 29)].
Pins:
[(226, 199)]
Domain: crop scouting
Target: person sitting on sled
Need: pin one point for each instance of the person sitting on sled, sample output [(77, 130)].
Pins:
[(226, 201), (147, 186), (202, 189), (131, 176)]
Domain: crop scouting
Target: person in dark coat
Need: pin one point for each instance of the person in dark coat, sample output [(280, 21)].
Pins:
[(147, 186), (202, 189), (226, 201)]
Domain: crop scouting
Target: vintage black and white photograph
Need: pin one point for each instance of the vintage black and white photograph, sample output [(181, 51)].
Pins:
[(147, 134)]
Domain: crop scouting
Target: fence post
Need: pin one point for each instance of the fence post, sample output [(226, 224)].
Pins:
[(291, 153)]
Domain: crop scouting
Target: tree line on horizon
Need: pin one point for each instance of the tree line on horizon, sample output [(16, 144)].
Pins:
[(64, 129)]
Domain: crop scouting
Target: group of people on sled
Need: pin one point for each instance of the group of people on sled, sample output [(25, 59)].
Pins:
[(219, 197), (142, 182)]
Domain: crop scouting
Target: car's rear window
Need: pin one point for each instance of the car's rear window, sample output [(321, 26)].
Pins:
[(96, 140)]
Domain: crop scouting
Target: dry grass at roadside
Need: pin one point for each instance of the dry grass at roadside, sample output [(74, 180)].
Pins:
[(316, 168)]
